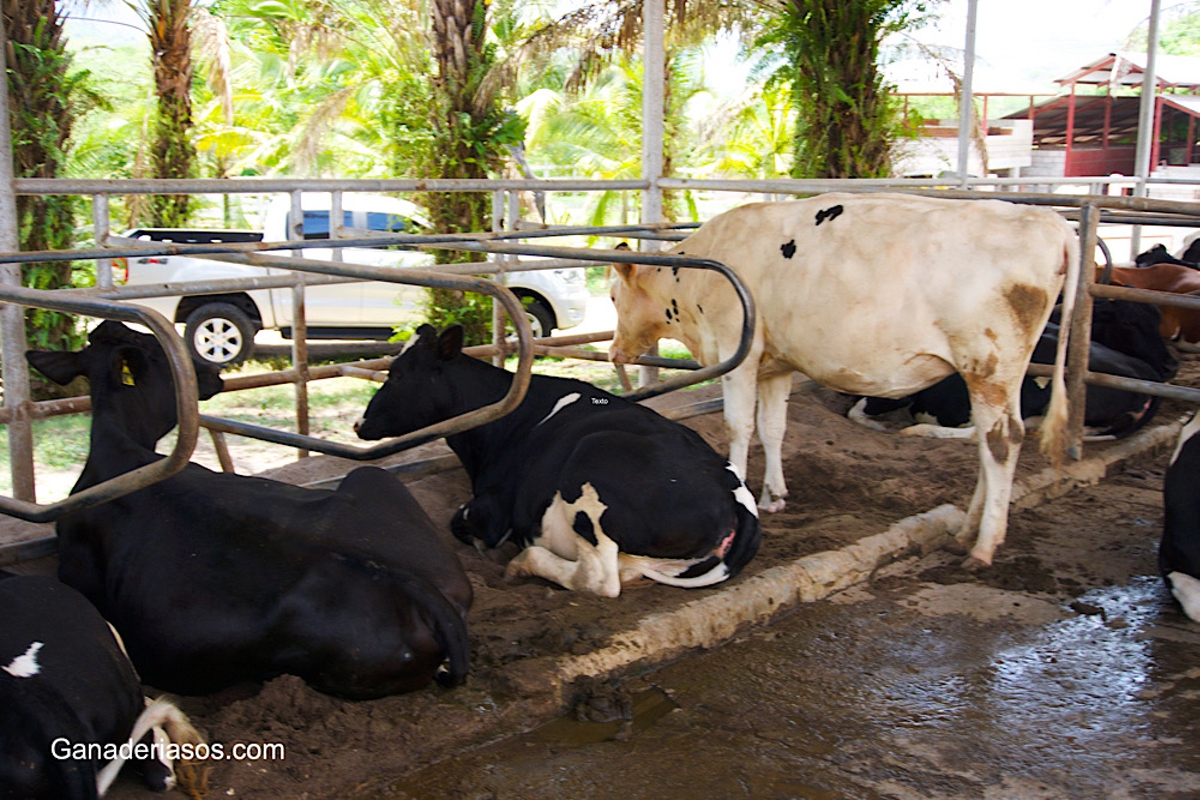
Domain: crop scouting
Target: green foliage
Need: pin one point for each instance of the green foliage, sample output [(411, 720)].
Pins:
[(46, 96), (1178, 33), (846, 119)]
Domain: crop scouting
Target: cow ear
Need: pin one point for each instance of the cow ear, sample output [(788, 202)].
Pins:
[(62, 367), (626, 271), (450, 343), (208, 381)]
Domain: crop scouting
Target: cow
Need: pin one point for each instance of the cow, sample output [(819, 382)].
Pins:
[(1179, 550), (1125, 341), (217, 579), (596, 489), (1131, 328), (74, 711), (1180, 326), (1158, 254), (872, 294), (944, 409)]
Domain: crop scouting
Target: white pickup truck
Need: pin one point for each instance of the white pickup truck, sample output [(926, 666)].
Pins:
[(221, 327)]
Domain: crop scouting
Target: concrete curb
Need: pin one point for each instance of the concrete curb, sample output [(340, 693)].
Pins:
[(715, 619)]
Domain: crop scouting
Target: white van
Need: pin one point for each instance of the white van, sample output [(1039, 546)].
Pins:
[(220, 327)]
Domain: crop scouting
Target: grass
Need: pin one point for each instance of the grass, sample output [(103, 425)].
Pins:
[(61, 443)]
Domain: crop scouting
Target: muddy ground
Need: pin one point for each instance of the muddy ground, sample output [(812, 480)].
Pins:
[(846, 483)]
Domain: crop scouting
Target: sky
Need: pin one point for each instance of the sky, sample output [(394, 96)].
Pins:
[(1023, 45)]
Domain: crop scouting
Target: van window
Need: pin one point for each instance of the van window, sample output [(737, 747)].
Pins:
[(316, 223)]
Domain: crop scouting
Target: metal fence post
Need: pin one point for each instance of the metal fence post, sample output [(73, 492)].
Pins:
[(1081, 330), (498, 224), (104, 278), (295, 231), (12, 317)]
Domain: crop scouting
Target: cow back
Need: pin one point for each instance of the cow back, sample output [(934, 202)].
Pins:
[(873, 281)]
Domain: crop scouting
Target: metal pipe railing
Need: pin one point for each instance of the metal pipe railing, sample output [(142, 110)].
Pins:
[(1114, 209), (419, 277), (185, 404)]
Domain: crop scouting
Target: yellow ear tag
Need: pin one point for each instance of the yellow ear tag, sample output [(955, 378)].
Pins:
[(126, 374)]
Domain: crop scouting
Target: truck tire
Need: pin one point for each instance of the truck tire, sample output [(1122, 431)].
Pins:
[(220, 333), (541, 319)]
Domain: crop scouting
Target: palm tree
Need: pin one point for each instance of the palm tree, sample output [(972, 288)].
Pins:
[(173, 154), (846, 121), (46, 98), (753, 136), (597, 34)]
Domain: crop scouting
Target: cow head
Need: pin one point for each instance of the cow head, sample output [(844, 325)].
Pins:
[(640, 319), (129, 378), (416, 392)]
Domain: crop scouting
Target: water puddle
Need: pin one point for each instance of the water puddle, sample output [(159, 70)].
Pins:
[(646, 708)]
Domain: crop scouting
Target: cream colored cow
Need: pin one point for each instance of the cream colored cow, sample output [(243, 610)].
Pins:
[(870, 294)]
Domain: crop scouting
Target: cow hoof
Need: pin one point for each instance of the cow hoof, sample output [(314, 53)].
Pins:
[(774, 506), (956, 547), (972, 564)]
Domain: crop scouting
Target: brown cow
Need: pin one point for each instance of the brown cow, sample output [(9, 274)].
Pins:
[(1180, 326)]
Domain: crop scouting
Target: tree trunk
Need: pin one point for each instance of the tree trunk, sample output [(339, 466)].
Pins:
[(173, 154), (42, 111), (846, 122), (458, 36)]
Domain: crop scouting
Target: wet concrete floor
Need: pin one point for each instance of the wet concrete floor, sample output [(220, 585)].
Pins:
[(1077, 679)]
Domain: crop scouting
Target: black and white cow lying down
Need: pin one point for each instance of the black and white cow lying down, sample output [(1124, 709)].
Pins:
[(1179, 551), (216, 579), (944, 409), (597, 489), (67, 690)]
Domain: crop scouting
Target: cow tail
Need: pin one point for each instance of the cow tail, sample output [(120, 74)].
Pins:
[(745, 542), (191, 778), (1054, 427), (448, 626)]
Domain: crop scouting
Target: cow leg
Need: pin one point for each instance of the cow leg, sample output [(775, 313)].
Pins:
[(999, 448), (740, 387), (561, 555), (773, 392)]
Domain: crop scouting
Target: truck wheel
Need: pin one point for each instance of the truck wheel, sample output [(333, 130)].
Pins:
[(541, 319), (220, 333)]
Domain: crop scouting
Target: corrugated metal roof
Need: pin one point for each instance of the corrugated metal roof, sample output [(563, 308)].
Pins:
[(1126, 68)]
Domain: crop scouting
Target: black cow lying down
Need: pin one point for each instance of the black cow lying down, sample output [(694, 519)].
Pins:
[(216, 579), (944, 409), (1179, 550), (597, 489), (1158, 254), (73, 708)]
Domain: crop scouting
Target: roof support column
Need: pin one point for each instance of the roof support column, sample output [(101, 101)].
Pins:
[(966, 108), (1147, 138), (12, 317), (1108, 105), (1070, 133), (1155, 144), (1190, 140), (653, 113), (653, 109)]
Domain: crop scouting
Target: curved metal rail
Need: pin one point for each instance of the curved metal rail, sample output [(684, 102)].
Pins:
[(419, 277), (186, 408), (513, 307), (655, 260)]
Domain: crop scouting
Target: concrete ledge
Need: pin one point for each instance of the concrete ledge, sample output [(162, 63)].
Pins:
[(713, 619)]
